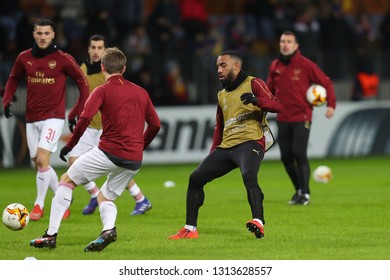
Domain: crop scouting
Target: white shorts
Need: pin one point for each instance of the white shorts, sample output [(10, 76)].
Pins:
[(44, 134), (95, 164), (88, 141)]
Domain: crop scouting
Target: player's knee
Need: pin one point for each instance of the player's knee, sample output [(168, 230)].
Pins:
[(42, 159), (287, 159), (250, 179), (41, 163), (196, 180), (101, 198), (66, 179), (300, 157)]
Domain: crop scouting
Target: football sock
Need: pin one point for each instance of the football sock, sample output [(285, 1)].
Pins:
[(92, 189), (259, 221), (61, 201), (108, 213), (53, 184), (189, 227), (136, 193), (42, 180)]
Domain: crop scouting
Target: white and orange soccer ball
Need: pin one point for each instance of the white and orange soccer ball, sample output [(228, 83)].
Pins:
[(316, 95), (322, 174), (16, 216)]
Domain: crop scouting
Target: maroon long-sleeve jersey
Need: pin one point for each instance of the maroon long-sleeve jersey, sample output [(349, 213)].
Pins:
[(45, 81), (125, 108), (290, 82)]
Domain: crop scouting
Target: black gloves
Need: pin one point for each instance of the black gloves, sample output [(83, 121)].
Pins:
[(7, 111), (64, 151), (249, 97), (72, 124)]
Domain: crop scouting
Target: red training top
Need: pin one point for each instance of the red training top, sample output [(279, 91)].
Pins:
[(290, 82), (125, 107), (46, 80)]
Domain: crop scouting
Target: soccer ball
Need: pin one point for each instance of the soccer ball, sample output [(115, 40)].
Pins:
[(322, 174), (16, 216), (316, 95)]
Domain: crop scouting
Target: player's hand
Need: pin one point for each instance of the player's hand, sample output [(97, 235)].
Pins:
[(7, 111), (249, 97), (64, 151), (329, 112), (14, 98), (72, 124)]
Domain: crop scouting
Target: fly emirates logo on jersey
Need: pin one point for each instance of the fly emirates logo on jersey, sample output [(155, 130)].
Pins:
[(40, 79)]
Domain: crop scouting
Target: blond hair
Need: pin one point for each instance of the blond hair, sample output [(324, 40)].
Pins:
[(114, 61)]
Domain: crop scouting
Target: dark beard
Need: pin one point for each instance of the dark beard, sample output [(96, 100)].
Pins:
[(229, 84), (228, 80)]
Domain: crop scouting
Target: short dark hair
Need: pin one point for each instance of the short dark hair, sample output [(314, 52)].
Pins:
[(44, 22), (234, 54), (97, 37), (289, 32)]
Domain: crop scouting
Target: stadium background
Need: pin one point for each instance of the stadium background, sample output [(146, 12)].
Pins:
[(172, 42)]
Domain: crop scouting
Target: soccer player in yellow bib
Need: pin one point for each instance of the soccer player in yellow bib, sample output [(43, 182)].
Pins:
[(241, 137)]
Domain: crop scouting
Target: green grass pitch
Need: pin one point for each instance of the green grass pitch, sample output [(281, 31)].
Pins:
[(348, 218)]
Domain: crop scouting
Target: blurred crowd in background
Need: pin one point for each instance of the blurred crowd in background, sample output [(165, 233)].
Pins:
[(172, 44)]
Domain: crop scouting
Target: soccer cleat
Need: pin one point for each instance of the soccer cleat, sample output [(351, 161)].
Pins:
[(90, 208), (45, 241), (295, 198), (66, 214), (303, 200), (184, 234), (256, 228), (141, 207), (105, 238), (37, 213)]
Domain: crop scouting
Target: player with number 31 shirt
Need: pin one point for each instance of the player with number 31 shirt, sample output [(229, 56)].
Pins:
[(45, 69)]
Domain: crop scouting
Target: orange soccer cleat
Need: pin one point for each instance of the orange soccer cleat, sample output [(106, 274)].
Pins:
[(37, 213), (255, 227), (184, 234)]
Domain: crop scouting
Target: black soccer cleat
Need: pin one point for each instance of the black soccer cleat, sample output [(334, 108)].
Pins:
[(303, 200), (45, 241), (256, 228), (105, 238), (295, 198)]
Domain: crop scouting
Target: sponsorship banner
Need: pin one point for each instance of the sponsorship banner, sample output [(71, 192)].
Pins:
[(357, 129)]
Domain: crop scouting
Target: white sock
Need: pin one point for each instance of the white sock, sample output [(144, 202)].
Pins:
[(259, 221), (42, 180), (61, 201), (189, 227), (53, 184), (108, 213), (135, 191), (92, 189)]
